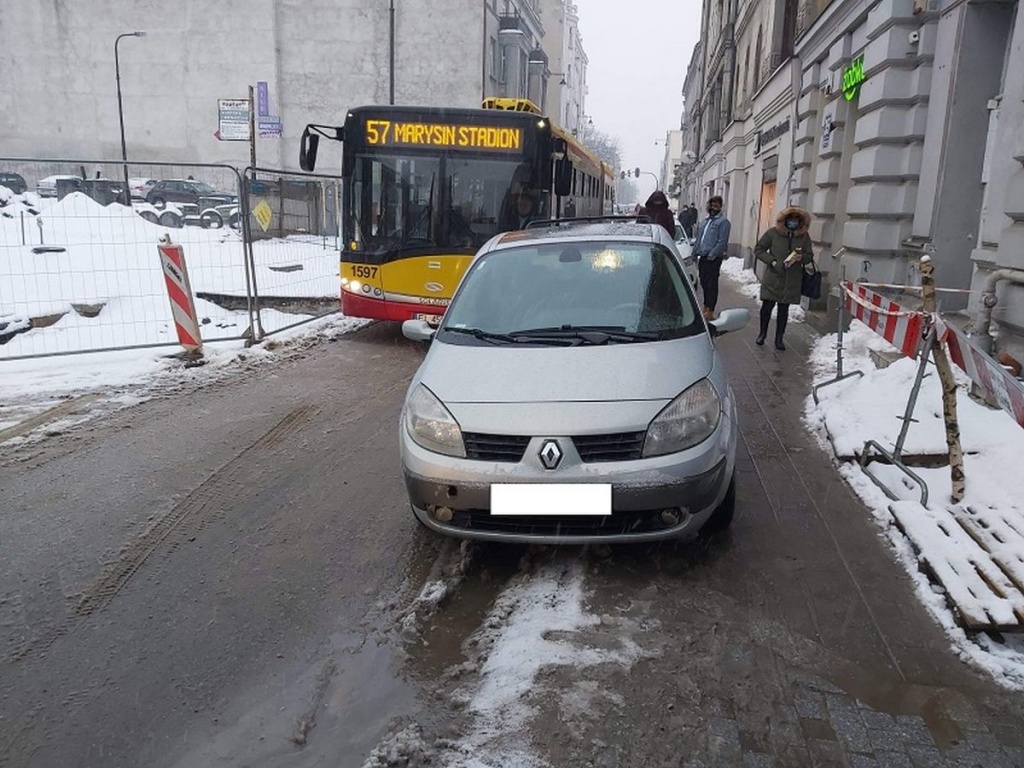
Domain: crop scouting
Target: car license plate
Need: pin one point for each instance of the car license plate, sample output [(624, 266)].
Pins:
[(551, 499), (431, 319)]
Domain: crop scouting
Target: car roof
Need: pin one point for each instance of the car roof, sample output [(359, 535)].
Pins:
[(581, 229)]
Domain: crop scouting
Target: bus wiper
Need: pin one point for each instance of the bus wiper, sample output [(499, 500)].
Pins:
[(589, 334)]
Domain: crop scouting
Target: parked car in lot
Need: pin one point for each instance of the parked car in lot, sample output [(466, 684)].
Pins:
[(214, 209), (140, 186), (47, 187), (571, 394), (13, 181)]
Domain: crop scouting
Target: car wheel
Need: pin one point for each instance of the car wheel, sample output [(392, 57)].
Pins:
[(158, 202), (234, 220), (211, 219), (721, 518), (151, 217), (170, 219)]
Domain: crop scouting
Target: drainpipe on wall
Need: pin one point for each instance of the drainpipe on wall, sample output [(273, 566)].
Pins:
[(989, 301)]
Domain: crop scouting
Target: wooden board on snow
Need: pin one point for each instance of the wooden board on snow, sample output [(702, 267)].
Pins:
[(976, 555)]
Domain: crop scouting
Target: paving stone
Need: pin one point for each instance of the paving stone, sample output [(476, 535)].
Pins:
[(889, 759), (724, 736), (757, 760), (812, 706), (983, 741), (863, 761), (817, 729), (826, 752), (889, 740), (914, 730), (924, 756), (877, 720)]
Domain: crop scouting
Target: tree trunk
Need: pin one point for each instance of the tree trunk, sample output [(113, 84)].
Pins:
[(956, 454)]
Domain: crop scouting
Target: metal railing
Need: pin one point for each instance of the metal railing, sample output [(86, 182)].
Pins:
[(79, 270)]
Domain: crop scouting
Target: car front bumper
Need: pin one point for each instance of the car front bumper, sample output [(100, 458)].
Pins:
[(689, 485)]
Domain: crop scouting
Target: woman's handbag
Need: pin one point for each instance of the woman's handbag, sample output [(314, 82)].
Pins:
[(810, 285)]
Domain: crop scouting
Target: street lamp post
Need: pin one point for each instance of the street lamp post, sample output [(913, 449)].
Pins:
[(120, 112)]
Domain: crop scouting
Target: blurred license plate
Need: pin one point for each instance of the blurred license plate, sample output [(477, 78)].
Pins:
[(551, 499), (432, 319)]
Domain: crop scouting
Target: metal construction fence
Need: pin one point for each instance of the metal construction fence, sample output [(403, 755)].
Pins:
[(79, 270)]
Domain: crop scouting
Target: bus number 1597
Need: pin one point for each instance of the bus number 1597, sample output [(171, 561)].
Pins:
[(367, 273)]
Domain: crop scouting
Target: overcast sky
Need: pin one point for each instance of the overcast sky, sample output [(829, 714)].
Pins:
[(638, 52)]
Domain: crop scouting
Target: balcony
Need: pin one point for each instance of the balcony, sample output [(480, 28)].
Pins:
[(511, 23)]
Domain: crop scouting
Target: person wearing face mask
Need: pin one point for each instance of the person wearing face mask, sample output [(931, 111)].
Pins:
[(710, 248), (786, 251)]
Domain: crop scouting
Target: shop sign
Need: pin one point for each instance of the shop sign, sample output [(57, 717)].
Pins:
[(770, 134), (853, 78)]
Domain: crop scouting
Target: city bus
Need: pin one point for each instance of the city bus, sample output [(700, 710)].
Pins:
[(423, 188)]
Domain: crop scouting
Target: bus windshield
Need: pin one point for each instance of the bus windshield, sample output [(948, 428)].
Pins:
[(442, 201)]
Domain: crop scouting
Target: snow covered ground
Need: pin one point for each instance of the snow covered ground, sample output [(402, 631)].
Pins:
[(77, 276), (105, 259), (860, 409)]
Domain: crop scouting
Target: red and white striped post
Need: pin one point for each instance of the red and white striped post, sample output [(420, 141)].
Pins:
[(179, 291)]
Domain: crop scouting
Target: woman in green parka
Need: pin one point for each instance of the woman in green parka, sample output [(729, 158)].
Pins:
[(786, 251)]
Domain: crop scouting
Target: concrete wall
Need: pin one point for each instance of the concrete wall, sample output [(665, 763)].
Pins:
[(320, 57)]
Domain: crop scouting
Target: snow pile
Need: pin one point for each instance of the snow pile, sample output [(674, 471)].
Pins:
[(538, 623), (749, 284), (859, 409), (17, 207)]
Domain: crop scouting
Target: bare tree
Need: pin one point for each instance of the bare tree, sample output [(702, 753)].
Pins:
[(607, 147)]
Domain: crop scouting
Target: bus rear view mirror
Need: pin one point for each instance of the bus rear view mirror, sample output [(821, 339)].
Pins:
[(563, 177), (308, 147)]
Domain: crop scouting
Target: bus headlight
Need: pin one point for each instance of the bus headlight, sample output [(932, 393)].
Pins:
[(354, 285), (431, 426)]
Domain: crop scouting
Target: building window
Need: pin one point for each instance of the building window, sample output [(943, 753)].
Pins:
[(495, 59)]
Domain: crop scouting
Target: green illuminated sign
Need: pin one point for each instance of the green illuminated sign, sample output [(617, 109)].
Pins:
[(853, 78)]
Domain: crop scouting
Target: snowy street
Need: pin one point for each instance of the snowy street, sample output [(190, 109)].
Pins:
[(226, 573)]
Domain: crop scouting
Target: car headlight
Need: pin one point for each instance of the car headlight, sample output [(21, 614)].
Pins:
[(431, 426), (688, 420)]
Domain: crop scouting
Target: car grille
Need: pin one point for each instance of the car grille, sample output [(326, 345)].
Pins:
[(615, 524), (624, 446), (495, 447)]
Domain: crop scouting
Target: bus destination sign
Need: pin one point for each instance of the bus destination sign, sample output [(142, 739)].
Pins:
[(390, 133)]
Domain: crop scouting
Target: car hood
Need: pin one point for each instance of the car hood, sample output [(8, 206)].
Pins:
[(504, 374)]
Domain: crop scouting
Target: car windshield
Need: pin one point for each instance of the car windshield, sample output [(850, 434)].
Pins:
[(610, 292), (203, 188)]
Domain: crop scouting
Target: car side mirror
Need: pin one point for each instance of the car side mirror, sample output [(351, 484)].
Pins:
[(417, 330), (730, 320)]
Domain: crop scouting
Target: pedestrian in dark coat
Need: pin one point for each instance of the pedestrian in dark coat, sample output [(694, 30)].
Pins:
[(786, 251), (688, 219), (657, 210)]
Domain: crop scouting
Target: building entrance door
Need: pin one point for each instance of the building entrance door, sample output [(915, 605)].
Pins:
[(766, 218)]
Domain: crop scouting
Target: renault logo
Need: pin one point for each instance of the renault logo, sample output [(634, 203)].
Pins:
[(550, 454), (434, 287)]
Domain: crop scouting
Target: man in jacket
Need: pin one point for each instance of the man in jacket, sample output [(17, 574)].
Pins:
[(710, 248)]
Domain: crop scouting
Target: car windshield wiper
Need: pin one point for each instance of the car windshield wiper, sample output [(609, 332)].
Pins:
[(589, 334), (479, 333)]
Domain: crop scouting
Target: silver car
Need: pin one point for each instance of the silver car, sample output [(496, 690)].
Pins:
[(572, 394)]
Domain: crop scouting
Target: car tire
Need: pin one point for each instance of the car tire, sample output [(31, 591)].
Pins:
[(159, 203), (149, 216), (211, 219), (171, 219), (721, 518), (234, 220)]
